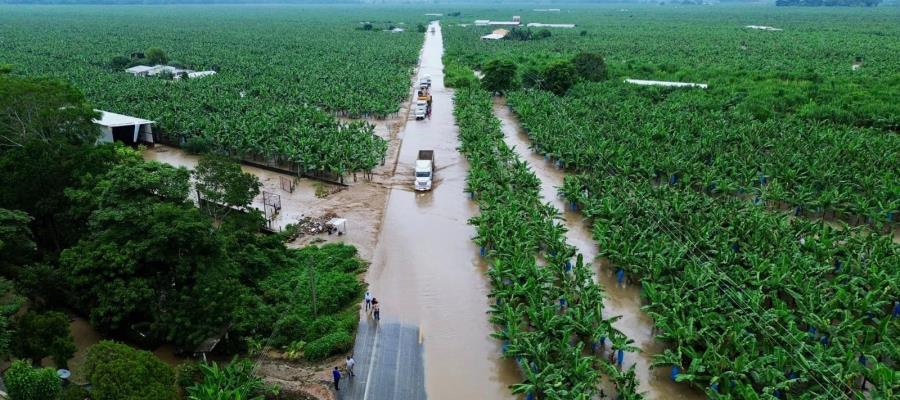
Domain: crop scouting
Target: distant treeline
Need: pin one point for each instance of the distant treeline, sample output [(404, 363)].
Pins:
[(828, 3), (123, 2)]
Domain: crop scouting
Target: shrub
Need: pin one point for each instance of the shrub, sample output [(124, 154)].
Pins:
[(234, 380), (119, 372), (559, 77), (45, 334), (119, 62), (458, 76), (590, 66), (198, 145), (188, 373), (74, 392), (156, 55), (26, 383), (499, 75), (333, 343)]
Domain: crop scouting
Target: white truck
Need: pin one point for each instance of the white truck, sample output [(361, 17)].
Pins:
[(424, 170), (421, 109)]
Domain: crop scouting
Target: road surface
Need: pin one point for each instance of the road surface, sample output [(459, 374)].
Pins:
[(428, 275)]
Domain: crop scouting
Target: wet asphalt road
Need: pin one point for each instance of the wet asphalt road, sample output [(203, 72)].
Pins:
[(428, 276), (389, 363)]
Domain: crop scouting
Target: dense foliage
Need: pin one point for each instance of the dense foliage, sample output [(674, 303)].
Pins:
[(282, 74), (119, 372), (45, 334), (26, 383), (548, 313), (232, 380), (686, 135), (118, 239), (682, 185)]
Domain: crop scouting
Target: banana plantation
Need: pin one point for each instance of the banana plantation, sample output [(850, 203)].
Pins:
[(283, 74), (757, 217), (548, 311)]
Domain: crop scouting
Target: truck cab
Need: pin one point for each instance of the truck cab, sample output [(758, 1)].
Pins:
[(424, 170), (421, 109)]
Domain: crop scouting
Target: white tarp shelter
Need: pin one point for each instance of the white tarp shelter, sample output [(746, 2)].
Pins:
[(482, 22), (540, 25), (139, 70), (764, 28), (504, 23), (124, 128), (200, 74), (665, 83)]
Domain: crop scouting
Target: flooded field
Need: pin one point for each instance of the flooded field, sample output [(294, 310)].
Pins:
[(624, 301), (426, 271)]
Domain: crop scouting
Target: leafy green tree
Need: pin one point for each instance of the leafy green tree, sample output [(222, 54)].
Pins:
[(150, 257), (499, 75), (119, 62), (43, 109), (522, 34), (74, 392), (10, 304), (119, 372), (16, 246), (156, 55), (421, 28), (543, 34), (45, 334), (46, 145), (234, 380), (590, 66), (559, 77), (224, 186), (26, 383)]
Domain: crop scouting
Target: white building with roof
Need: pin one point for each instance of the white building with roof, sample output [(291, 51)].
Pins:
[(123, 128), (139, 70), (497, 34)]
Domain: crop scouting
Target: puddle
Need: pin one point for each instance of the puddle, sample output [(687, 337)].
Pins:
[(624, 301), (426, 270)]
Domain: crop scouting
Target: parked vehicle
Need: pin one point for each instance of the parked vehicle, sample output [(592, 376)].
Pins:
[(424, 170), (421, 109), (423, 103)]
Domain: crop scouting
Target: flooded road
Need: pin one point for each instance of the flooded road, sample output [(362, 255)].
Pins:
[(624, 301), (426, 271)]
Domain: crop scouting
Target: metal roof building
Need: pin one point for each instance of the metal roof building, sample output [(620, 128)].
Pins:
[(123, 128)]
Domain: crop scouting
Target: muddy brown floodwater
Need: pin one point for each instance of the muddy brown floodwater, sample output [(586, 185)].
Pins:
[(426, 271), (624, 301)]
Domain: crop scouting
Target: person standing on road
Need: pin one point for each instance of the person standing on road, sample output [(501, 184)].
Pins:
[(337, 377), (368, 301), (350, 363), (376, 309)]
